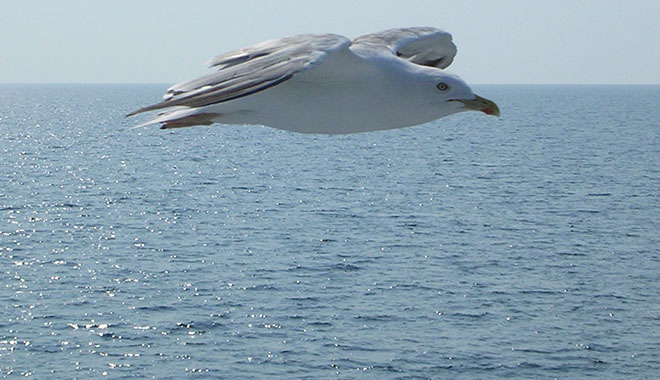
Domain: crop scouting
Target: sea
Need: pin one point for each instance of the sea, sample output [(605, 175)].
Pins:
[(471, 247)]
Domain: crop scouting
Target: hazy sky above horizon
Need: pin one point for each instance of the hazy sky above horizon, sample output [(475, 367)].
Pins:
[(150, 41)]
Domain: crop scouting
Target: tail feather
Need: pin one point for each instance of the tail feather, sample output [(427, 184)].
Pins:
[(181, 118), (191, 120)]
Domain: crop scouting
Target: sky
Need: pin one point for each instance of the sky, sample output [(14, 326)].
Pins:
[(164, 41)]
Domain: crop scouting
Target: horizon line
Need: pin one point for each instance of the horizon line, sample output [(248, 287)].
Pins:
[(471, 84)]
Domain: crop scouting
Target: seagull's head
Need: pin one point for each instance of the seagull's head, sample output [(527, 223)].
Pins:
[(454, 95)]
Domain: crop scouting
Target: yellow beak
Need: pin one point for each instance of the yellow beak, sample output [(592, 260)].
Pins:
[(482, 104)]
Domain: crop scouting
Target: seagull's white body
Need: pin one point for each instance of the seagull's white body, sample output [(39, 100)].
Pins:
[(335, 98), (327, 84)]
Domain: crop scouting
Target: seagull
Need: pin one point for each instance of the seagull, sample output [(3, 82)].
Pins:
[(326, 84)]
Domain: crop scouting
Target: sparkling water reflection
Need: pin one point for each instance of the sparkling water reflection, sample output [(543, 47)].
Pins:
[(469, 248)]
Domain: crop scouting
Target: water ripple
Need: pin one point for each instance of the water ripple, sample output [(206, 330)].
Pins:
[(467, 248)]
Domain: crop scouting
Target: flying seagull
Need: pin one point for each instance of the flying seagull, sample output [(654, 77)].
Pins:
[(327, 83)]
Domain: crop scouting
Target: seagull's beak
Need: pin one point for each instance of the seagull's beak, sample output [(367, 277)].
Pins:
[(481, 104)]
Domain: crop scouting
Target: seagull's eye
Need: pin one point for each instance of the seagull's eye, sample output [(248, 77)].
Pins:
[(442, 86)]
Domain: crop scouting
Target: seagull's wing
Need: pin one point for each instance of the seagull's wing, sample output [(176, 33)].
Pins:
[(246, 71), (420, 45)]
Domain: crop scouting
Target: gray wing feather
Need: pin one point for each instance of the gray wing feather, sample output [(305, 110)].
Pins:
[(246, 71), (425, 46)]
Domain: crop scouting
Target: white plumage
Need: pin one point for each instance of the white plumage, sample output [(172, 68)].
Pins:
[(326, 83)]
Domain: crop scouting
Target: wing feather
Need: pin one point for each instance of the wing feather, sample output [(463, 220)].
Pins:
[(246, 71), (425, 46)]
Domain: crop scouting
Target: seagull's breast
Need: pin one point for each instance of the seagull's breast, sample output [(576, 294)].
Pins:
[(342, 95)]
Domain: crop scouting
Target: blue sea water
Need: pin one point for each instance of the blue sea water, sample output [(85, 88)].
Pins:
[(468, 248)]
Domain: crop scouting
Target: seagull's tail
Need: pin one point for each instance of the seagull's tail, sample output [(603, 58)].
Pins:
[(181, 118)]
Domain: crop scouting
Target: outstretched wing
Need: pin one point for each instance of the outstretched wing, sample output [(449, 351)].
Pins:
[(420, 45), (246, 71)]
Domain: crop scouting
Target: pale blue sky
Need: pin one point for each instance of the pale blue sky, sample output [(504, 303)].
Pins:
[(150, 41)]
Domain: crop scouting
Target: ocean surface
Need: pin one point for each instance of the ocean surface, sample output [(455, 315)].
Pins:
[(468, 248)]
